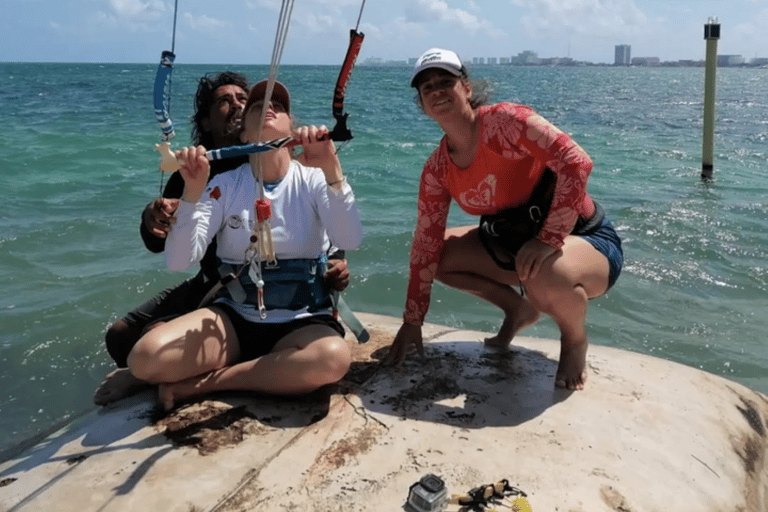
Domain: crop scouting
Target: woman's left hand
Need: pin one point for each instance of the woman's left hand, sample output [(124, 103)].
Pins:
[(319, 151), (195, 169), (531, 257)]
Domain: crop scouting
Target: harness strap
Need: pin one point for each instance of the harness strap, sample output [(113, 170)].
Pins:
[(349, 318), (588, 226), (231, 282)]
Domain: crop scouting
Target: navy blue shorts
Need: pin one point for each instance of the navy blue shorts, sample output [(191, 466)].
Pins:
[(605, 239), (257, 339)]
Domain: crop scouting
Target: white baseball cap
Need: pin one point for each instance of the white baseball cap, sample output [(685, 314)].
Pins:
[(438, 58)]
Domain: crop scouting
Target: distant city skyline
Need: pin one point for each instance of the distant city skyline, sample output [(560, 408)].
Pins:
[(243, 31), (622, 57)]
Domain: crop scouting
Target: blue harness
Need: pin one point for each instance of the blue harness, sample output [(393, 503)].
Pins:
[(291, 284)]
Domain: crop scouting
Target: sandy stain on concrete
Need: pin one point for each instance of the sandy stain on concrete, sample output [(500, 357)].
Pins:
[(751, 446), (209, 426)]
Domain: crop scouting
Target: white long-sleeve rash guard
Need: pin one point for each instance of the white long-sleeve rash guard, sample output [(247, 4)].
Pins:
[(306, 212)]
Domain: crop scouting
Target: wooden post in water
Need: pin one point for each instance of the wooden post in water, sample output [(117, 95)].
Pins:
[(711, 34)]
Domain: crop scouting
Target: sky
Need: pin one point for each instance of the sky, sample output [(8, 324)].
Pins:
[(244, 31)]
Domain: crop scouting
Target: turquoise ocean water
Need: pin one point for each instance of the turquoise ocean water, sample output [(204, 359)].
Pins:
[(77, 166)]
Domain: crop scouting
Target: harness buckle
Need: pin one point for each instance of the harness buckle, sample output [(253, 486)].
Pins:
[(534, 212)]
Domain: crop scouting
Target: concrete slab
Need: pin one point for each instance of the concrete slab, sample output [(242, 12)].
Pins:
[(645, 435)]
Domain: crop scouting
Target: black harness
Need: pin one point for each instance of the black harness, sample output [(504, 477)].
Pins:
[(505, 232)]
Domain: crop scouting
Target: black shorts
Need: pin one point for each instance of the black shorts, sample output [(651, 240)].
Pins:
[(258, 339)]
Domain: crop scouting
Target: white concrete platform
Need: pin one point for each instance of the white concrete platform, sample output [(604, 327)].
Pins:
[(645, 435)]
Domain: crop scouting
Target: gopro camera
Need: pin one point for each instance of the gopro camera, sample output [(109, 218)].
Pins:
[(428, 494)]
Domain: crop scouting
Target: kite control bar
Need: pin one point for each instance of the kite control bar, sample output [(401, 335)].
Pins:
[(169, 162)]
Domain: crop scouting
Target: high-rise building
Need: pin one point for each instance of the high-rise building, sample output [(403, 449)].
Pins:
[(623, 57)]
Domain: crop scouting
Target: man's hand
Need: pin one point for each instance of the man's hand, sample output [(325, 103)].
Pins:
[(337, 275), (158, 216)]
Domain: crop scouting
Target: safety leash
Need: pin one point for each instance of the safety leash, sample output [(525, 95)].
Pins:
[(261, 250)]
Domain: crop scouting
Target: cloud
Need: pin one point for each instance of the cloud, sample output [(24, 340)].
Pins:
[(204, 23), (602, 18), (256, 5), (137, 11), (315, 17), (749, 35), (438, 11)]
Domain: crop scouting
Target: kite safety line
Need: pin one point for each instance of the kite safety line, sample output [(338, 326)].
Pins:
[(261, 248), (283, 22)]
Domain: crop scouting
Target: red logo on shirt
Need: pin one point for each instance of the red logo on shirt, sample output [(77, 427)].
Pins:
[(215, 193)]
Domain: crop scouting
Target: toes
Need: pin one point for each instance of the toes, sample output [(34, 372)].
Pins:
[(165, 395), (576, 384)]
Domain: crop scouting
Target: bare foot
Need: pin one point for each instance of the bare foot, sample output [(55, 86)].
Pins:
[(572, 372), (118, 384), (513, 323), (166, 396), (171, 393)]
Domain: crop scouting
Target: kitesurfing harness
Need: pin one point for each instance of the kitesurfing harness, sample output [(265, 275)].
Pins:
[(288, 284), (505, 232)]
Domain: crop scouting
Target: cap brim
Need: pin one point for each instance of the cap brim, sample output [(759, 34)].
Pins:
[(440, 65), (279, 94)]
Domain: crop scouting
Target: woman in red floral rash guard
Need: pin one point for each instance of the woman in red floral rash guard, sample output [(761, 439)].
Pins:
[(539, 230)]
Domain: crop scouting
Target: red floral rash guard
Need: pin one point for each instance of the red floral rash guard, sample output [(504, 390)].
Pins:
[(516, 145)]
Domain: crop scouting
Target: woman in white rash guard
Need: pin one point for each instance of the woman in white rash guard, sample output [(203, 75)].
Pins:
[(292, 344)]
